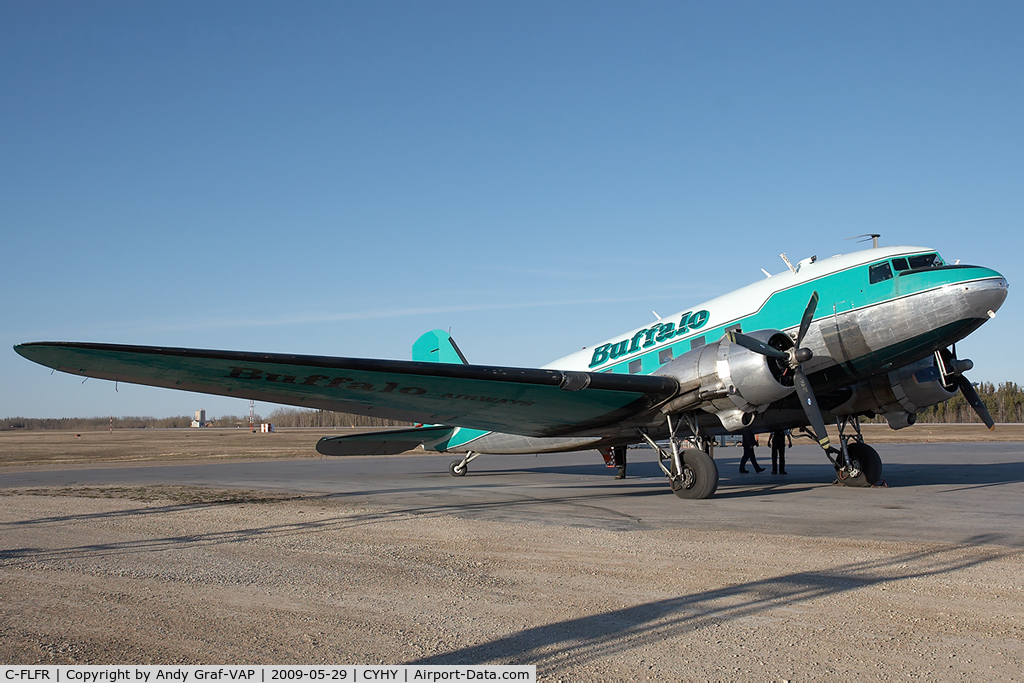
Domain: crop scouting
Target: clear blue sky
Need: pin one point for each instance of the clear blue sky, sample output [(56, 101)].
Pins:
[(337, 178)]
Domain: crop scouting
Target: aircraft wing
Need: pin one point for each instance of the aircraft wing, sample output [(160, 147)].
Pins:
[(530, 402)]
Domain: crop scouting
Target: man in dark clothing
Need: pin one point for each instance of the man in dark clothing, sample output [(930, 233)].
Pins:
[(748, 453), (619, 455), (777, 441)]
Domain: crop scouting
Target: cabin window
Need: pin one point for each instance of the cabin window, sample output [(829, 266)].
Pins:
[(635, 366), (697, 342), (880, 272), (925, 261), (900, 264), (664, 356)]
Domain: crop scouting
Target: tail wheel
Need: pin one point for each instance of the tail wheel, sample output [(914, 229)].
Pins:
[(457, 469), (865, 463), (699, 478)]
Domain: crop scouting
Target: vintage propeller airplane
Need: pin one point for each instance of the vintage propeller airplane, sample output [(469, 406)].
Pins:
[(862, 334)]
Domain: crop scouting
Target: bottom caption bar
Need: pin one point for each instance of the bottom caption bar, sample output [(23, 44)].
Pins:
[(154, 673)]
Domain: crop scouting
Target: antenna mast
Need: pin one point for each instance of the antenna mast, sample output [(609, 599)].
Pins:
[(873, 236)]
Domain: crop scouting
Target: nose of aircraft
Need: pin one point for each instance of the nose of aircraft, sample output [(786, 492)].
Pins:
[(985, 296)]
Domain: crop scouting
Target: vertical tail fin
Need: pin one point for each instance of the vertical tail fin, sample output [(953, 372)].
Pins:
[(437, 346)]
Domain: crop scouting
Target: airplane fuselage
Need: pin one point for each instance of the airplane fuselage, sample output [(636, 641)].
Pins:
[(880, 310)]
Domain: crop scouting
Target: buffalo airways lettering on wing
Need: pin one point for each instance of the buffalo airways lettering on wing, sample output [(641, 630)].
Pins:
[(354, 385), (648, 337)]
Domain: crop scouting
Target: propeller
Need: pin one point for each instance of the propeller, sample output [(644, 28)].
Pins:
[(967, 389), (957, 368), (794, 358)]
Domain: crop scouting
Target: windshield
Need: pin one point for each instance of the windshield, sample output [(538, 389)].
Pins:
[(925, 261)]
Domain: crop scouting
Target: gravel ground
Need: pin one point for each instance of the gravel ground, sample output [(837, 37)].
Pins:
[(188, 575)]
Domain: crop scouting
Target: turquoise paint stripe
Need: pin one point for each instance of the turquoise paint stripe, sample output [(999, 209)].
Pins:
[(462, 435), (848, 290)]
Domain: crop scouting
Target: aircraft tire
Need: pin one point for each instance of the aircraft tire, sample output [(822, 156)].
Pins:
[(705, 476), (457, 469), (870, 465)]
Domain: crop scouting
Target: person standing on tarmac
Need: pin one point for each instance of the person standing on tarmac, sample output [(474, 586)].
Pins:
[(777, 440), (619, 456), (748, 453)]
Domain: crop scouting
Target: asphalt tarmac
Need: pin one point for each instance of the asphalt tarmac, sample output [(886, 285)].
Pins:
[(962, 493)]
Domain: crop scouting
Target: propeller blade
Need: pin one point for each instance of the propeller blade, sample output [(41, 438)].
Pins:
[(805, 322), (754, 345), (967, 389), (810, 405)]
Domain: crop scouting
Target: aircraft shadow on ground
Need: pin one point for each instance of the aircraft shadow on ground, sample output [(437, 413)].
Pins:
[(12, 556), (648, 475), (499, 497), (581, 500), (586, 639), (581, 505), (965, 475), (590, 512), (570, 641), (918, 474)]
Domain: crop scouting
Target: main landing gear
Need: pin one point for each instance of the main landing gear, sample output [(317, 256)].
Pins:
[(692, 473), (458, 468), (856, 463)]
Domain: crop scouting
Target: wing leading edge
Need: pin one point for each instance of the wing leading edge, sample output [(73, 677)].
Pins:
[(530, 402)]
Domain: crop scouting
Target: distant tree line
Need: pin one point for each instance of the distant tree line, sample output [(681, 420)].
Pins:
[(93, 423), (1005, 402), (293, 417), (282, 417)]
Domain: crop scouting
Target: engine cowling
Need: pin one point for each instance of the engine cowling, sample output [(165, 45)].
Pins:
[(730, 381), (899, 394)]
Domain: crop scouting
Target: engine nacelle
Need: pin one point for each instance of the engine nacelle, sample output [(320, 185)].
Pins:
[(730, 381), (898, 395)]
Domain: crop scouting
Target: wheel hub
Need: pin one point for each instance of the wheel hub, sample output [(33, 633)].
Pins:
[(686, 480), (854, 468)]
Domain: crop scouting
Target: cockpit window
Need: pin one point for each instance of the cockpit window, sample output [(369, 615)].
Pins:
[(879, 272), (900, 264), (925, 261)]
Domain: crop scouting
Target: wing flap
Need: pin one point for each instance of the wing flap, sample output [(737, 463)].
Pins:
[(531, 402)]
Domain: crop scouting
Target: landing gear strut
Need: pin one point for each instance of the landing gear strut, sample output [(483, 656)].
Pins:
[(857, 463), (692, 472)]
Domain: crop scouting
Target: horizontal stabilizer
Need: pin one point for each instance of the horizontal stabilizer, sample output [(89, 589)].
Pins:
[(387, 442)]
